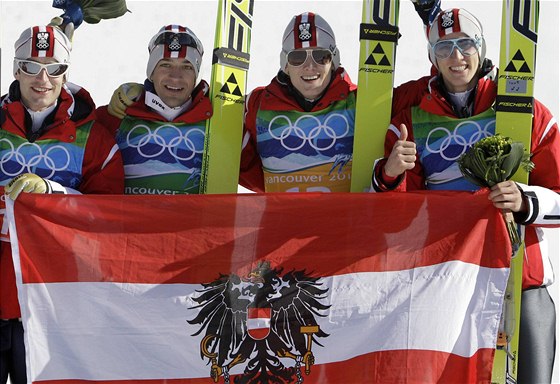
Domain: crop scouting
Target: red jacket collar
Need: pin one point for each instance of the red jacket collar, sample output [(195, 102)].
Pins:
[(339, 89), (74, 105), (435, 102)]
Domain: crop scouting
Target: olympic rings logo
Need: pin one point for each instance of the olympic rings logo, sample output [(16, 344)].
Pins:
[(455, 139), (29, 155), (170, 140), (320, 130)]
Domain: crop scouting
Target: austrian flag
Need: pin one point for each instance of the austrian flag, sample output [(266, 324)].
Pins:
[(275, 288)]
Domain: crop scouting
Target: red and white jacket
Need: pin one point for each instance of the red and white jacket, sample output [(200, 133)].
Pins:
[(277, 98), (98, 157), (150, 144), (544, 181)]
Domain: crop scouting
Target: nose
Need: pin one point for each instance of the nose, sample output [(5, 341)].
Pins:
[(309, 62), (456, 53), (43, 75)]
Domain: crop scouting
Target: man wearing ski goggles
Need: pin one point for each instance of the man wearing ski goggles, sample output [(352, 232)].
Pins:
[(463, 94), (51, 143), (320, 56), (41, 64), (310, 70), (465, 45), (33, 68)]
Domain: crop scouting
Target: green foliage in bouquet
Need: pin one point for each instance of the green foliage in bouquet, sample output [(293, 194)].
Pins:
[(96, 10), (491, 161)]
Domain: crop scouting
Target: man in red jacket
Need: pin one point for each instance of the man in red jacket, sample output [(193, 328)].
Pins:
[(299, 129), (424, 143), (49, 143), (160, 127)]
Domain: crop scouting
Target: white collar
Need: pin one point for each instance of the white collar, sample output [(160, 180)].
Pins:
[(460, 99), (38, 117), (153, 101)]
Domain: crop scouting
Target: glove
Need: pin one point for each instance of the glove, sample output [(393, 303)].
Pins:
[(26, 182), (67, 28), (123, 97), (427, 10), (72, 13)]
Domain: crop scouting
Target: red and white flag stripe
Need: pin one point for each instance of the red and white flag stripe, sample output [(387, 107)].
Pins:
[(415, 299)]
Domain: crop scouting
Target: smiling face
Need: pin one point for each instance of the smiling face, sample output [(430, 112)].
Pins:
[(174, 81), (459, 71), (39, 91), (310, 78)]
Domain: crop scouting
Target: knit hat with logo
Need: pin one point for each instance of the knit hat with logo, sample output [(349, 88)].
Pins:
[(308, 30), (174, 41), (42, 41), (456, 20)]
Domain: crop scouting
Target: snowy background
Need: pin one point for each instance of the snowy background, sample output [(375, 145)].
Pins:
[(115, 51)]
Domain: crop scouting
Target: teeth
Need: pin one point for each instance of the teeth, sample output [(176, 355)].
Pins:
[(173, 88), (310, 77), (461, 68), (40, 89)]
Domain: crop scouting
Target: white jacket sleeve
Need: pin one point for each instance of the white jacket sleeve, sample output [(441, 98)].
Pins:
[(543, 206)]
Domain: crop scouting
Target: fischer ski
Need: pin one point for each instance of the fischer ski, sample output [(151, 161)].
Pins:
[(514, 119), (224, 130), (378, 46)]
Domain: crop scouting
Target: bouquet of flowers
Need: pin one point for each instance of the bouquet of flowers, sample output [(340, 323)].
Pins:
[(491, 161)]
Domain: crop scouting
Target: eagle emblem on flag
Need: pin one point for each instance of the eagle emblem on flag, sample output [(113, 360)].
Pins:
[(265, 320)]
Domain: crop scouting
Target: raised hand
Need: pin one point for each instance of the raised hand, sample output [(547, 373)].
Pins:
[(403, 155)]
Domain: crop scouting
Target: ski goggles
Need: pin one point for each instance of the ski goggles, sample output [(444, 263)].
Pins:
[(297, 58), (33, 68), (466, 45), (172, 40)]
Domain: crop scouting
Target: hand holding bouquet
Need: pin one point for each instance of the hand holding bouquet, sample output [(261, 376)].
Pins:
[(491, 161)]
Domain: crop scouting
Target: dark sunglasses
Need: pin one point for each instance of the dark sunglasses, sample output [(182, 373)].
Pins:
[(169, 38), (297, 58)]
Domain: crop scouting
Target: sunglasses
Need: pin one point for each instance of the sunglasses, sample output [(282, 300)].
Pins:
[(444, 48), (171, 39), (33, 68), (320, 56)]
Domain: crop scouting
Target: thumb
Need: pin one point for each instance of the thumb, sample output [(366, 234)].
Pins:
[(404, 132)]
